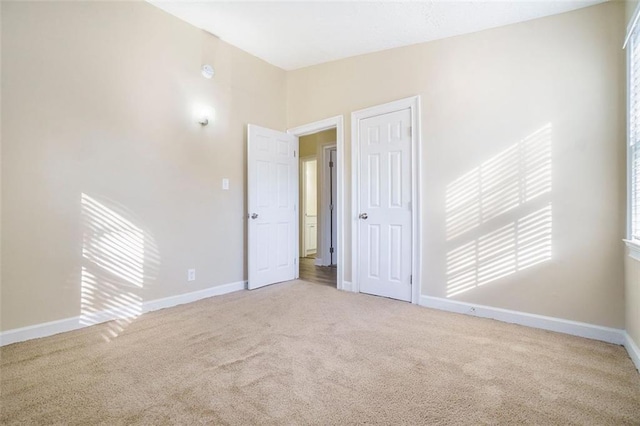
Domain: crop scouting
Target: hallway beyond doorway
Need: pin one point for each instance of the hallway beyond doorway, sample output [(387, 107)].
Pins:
[(325, 275)]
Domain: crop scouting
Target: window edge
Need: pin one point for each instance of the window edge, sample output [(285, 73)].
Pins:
[(634, 249)]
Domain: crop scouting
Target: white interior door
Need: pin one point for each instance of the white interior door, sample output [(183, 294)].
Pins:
[(272, 168), (385, 219)]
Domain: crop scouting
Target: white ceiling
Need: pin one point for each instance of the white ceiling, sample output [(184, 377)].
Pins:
[(297, 34)]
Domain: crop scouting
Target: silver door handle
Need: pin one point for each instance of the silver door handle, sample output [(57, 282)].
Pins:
[(363, 216), (254, 215)]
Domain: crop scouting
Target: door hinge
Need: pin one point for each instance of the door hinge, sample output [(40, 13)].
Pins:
[(331, 207), (295, 260), (294, 152), (330, 249), (410, 279), (330, 163), (410, 131)]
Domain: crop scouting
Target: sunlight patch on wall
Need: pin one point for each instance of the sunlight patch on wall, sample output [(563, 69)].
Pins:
[(497, 254), (514, 187), (513, 177), (113, 274)]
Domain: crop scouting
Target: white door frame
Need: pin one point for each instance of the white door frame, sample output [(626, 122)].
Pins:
[(303, 200), (315, 127), (324, 258), (412, 103)]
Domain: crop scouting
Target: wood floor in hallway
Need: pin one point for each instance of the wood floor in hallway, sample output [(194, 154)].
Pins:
[(326, 275)]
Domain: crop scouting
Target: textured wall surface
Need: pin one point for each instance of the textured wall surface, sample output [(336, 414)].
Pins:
[(522, 154), (110, 188)]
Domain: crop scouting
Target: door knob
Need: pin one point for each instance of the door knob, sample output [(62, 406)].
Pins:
[(363, 216), (254, 215)]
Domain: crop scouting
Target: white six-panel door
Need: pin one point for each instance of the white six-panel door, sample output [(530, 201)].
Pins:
[(385, 219), (272, 169)]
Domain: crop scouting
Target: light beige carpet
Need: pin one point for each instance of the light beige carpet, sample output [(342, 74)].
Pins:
[(300, 353)]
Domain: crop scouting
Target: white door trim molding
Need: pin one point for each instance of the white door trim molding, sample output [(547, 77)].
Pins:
[(413, 104), (324, 257), (318, 126)]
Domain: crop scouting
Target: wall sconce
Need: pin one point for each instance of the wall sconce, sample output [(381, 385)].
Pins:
[(204, 114)]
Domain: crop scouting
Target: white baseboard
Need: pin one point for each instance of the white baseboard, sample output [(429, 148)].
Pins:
[(167, 302), (632, 349), (606, 334), (75, 323), (39, 330), (590, 331)]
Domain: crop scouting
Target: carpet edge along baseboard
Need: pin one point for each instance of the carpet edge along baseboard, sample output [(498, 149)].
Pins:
[(96, 317)]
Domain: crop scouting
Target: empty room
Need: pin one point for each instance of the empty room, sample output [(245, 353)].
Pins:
[(320, 212)]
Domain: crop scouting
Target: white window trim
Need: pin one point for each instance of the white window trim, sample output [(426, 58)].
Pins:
[(634, 249), (632, 245)]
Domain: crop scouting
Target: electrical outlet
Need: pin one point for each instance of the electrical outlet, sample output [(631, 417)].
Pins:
[(225, 184), (191, 275)]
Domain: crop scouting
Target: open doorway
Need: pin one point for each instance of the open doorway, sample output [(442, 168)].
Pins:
[(318, 207), (339, 259)]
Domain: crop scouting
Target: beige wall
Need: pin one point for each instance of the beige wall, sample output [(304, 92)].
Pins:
[(482, 94), (311, 145), (97, 99)]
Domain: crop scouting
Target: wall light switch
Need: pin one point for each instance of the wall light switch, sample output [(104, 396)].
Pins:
[(225, 183), (191, 275)]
